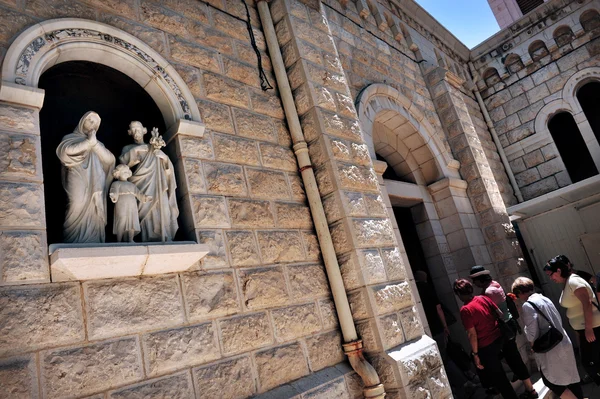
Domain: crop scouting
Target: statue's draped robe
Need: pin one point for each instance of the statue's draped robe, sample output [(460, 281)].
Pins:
[(154, 177), (86, 174)]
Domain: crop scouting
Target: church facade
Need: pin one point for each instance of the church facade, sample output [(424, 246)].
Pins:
[(322, 151)]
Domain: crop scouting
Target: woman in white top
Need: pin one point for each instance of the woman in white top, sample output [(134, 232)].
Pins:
[(558, 367), (582, 311)]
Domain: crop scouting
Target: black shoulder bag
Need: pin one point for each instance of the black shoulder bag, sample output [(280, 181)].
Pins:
[(548, 340)]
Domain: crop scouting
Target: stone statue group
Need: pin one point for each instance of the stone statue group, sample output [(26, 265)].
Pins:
[(144, 198)]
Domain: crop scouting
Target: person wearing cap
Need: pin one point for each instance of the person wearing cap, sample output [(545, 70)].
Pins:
[(493, 290)]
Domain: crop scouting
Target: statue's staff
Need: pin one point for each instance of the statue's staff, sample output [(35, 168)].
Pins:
[(157, 143)]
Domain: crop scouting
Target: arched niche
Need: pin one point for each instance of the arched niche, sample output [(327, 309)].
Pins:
[(538, 50)]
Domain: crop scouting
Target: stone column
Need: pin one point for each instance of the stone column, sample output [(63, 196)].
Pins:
[(482, 191), (370, 257)]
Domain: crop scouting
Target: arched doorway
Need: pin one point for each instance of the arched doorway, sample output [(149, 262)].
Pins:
[(73, 88), (589, 99)]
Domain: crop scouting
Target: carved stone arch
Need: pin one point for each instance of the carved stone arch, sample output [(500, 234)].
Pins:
[(72, 39), (378, 98), (569, 92), (544, 115)]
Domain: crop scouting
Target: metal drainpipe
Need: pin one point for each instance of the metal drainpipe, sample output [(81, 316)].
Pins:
[(353, 346), (490, 125)]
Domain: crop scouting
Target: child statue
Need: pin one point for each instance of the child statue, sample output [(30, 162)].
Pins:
[(124, 193)]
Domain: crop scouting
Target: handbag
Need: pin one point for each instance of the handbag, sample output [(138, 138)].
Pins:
[(548, 340), (506, 330)]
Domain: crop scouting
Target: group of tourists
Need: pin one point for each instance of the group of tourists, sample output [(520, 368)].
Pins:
[(490, 322)]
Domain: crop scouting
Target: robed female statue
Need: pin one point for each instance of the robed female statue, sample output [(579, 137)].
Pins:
[(154, 176), (86, 175)]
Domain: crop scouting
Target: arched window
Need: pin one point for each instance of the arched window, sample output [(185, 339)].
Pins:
[(563, 36), (571, 147), (73, 88), (538, 50), (590, 20), (513, 63), (491, 77), (589, 98)]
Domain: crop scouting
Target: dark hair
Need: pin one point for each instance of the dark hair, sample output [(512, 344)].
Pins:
[(558, 263), (463, 287)]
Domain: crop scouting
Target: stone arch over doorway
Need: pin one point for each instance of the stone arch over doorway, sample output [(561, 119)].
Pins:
[(71, 39)]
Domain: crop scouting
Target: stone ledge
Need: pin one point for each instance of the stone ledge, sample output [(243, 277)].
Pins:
[(77, 262)]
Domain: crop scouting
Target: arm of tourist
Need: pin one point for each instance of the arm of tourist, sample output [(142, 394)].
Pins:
[(530, 320), (583, 296), (472, 334), (442, 317)]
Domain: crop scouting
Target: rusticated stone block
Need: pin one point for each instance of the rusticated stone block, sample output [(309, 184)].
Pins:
[(242, 248), (195, 147), (224, 179), (118, 307), (176, 386), (311, 243), (417, 360), (354, 177), (391, 330), (19, 156), (307, 281), (192, 178), (17, 118), (209, 295), (342, 239), (22, 205), (254, 126), (438, 384), (209, 211), (277, 157), (240, 72), (295, 321), (250, 213), (178, 348), (297, 186), (267, 184), (231, 148), (18, 378), (280, 246), (373, 232), (263, 287), (354, 203), (411, 324), (23, 257), (325, 350), (190, 75), (394, 264), (267, 103), (37, 316), (372, 266), (279, 365), (293, 216), (392, 297), (216, 257), (191, 54), (216, 116), (244, 333), (225, 91), (227, 380), (79, 371), (328, 313), (335, 389)]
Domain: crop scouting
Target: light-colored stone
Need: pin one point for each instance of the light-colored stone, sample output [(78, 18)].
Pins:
[(279, 365), (325, 350), (311, 243), (209, 211), (231, 379), (209, 295), (268, 184), (355, 177), (336, 389), (38, 316), (295, 321), (254, 126), (23, 257), (21, 205), (177, 386), (216, 116), (242, 248), (307, 281), (217, 256), (263, 288), (18, 119), (280, 246), (394, 264), (195, 147), (411, 324), (244, 333), (225, 179), (225, 91), (392, 297), (18, 378), (391, 328), (120, 307), (19, 157), (293, 216), (174, 349), (277, 157), (328, 313), (231, 148), (78, 371), (250, 213), (373, 232)]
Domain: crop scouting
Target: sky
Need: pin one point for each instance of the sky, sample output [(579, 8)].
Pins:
[(471, 21)]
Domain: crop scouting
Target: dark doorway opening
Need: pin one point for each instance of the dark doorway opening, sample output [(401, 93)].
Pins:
[(410, 238), (589, 98), (72, 89), (571, 147)]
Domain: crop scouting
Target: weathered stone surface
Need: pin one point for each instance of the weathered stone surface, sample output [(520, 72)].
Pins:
[(178, 348), (325, 350), (254, 126), (311, 243), (13, 24), (216, 116), (244, 333), (297, 187), (263, 287), (225, 91), (267, 104), (354, 177), (308, 281), (416, 367), (74, 372), (37, 316), (268, 184), (22, 205), (209, 211), (280, 246), (241, 72), (152, 37), (242, 248), (124, 7), (119, 307), (217, 256), (373, 232), (224, 179), (209, 295), (228, 380), (410, 323), (18, 156), (392, 297), (394, 264), (277, 157), (18, 378), (195, 147), (250, 213), (193, 181), (295, 321), (293, 215), (177, 386), (335, 389), (354, 203), (328, 313), (279, 365), (23, 257), (540, 187), (391, 330), (230, 148), (372, 266), (438, 384)]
